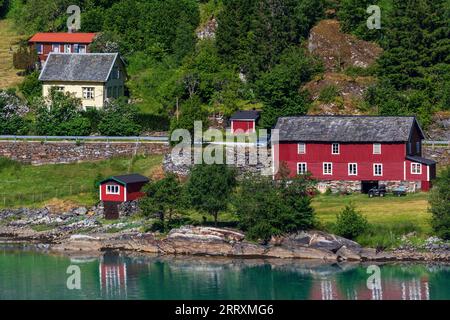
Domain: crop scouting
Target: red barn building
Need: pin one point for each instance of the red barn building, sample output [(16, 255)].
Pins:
[(244, 122), (119, 189), (355, 153), (44, 43)]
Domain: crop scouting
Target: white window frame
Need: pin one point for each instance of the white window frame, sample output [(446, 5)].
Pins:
[(414, 167), (299, 165), (40, 48), (301, 148), (112, 189), (88, 93), (377, 148), (67, 48), (338, 148), (350, 171), (56, 47), (81, 48), (325, 168), (375, 165)]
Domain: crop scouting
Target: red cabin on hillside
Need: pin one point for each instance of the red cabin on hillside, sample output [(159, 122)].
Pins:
[(355, 153), (61, 42), (244, 122), (119, 189)]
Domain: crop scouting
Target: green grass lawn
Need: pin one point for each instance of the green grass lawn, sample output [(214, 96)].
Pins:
[(389, 211), (26, 185)]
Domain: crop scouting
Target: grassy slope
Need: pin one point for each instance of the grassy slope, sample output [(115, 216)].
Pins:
[(8, 37), (21, 185), (389, 211)]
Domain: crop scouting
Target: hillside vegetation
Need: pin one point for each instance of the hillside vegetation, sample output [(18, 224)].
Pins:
[(258, 54), (8, 41)]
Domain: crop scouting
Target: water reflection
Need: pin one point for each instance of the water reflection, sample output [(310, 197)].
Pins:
[(27, 274)]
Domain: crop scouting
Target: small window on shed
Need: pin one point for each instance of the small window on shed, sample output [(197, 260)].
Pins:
[(112, 189), (377, 148)]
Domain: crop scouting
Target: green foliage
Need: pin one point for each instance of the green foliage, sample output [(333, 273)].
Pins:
[(353, 17), (328, 93), (440, 205), (119, 119), (252, 34), (164, 198), (266, 208), (279, 89), (351, 223), (25, 58), (209, 188), (190, 111), (60, 116), (12, 122), (31, 87)]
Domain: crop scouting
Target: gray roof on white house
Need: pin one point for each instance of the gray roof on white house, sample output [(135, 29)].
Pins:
[(346, 128), (89, 67)]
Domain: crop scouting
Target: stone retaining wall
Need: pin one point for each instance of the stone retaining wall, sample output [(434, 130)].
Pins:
[(38, 153)]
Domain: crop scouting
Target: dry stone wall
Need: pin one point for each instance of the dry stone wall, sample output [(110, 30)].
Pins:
[(38, 153)]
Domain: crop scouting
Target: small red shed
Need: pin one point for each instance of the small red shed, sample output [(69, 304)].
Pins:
[(244, 122), (122, 188)]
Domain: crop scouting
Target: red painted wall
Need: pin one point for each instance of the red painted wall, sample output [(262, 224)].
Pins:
[(48, 48), (244, 126), (134, 191), (111, 197), (393, 158)]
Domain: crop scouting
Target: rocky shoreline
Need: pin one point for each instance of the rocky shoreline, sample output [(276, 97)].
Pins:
[(82, 230)]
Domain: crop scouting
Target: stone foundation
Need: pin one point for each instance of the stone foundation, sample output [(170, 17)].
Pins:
[(356, 186), (38, 153)]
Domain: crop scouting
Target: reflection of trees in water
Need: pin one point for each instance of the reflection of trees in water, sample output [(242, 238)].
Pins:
[(221, 279)]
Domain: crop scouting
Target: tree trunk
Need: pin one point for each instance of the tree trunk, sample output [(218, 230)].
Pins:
[(215, 218)]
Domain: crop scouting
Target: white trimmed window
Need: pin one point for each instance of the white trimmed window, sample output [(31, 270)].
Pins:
[(82, 48), (335, 148), (302, 168), (377, 148), (112, 190), (352, 169), (416, 168), (302, 148), (88, 93), (378, 169), (67, 48), (56, 47), (328, 168)]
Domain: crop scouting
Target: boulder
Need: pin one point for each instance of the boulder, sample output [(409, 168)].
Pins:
[(346, 254)]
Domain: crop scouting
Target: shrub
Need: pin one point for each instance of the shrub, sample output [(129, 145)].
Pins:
[(119, 119), (266, 208), (351, 223), (31, 87), (440, 205)]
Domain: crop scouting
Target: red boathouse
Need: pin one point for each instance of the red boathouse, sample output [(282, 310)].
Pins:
[(119, 189), (60, 42), (244, 122), (355, 153)]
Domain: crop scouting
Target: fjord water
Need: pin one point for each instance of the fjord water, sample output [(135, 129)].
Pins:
[(29, 274)]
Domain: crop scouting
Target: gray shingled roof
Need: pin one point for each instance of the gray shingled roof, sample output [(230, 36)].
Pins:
[(91, 67), (127, 179), (345, 128), (245, 115)]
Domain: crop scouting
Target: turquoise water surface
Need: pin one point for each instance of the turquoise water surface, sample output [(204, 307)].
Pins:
[(29, 274)]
